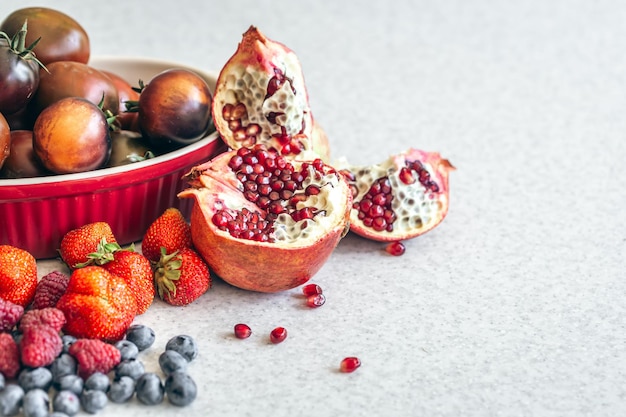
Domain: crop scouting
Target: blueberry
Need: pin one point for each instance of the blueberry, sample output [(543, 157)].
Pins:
[(11, 399), (35, 403), (122, 389), (180, 388), (64, 364), (57, 414), (171, 361), (149, 389), (66, 402), (2, 381), (133, 368), (67, 342), (97, 381), (183, 344), (128, 349), (93, 401), (31, 378), (142, 336), (70, 382)]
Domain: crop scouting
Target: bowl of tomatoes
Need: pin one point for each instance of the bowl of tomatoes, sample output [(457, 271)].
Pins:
[(142, 173)]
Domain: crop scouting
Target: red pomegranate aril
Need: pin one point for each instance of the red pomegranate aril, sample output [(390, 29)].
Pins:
[(242, 331), (406, 175), (379, 224), (312, 190), (349, 364), (315, 300), (395, 248), (311, 289), (278, 335), (375, 211)]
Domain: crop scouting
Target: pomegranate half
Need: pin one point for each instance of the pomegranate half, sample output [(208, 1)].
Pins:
[(400, 198), (264, 222)]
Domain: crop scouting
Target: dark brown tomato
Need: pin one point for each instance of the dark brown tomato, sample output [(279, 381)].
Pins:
[(22, 162), (125, 93), (5, 139), (128, 147), (74, 79), (62, 37), (19, 78), (72, 135), (175, 108)]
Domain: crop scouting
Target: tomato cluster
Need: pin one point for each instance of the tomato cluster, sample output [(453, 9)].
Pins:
[(60, 115)]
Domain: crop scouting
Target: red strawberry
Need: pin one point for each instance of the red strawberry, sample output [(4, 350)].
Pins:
[(94, 355), (10, 314), (77, 244), (9, 356), (181, 277), (170, 231), (40, 345), (18, 275), (136, 270), (50, 316), (49, 289)]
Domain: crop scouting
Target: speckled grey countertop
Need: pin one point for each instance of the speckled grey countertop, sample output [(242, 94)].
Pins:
[(514, 305)]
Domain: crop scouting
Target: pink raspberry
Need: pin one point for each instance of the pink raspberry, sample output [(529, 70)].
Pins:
[(40, 345), (94, 355), (10, 314), (49, 316), (9, 356), (49, 289)]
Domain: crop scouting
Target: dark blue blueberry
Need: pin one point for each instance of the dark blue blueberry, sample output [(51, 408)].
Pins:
[(67, 342), (70, 382), (2, 381), (128, 349), (122, 389), (93, 401), (35, 403), (64, 364), (171, 361), (66, 402), (133, 368), (11, 399), (58, 414), (31, 378), (149, 389), (142, 336), (97, 381), (180, 388), (183, 344)]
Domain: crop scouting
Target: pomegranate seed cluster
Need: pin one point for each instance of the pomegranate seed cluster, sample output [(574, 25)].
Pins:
[(288, 197)]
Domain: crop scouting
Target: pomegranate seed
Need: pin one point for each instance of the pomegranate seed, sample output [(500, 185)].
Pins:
[(349, 364), (406, 176), (395, 248), (311, 289), (242, 331), (278, 335), (315, 300)]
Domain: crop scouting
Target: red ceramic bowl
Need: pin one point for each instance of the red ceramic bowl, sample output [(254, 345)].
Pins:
[(35, 213)]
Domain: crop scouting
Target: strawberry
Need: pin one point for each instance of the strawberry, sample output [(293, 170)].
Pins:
[(97, 304), (9, 356), (181, 277), (18, 275), (77, 244), (170, 231), (49, 316), (49, 289), (94, 355), (10, 314), (40, 345)]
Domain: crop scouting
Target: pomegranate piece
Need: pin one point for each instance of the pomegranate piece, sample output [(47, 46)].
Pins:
[(395, 248), (264, 222), (349, 364), (315, 300), (242, 331), (400, 198), (311, 289), (278, 335)]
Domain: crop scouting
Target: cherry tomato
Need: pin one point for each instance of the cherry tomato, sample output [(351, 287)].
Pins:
[(125, 93), (72, 135), (62, 37), (74, 79), (128, 147), (5, 139), (175, 108), (22, 162)]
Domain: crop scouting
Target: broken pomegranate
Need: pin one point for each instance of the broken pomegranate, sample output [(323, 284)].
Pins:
[(261, 98), (400, 198), (264, 222)]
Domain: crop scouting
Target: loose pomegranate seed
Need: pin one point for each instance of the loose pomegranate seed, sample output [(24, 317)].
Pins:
[(311, 289), (395, 248), (278, 335), (315, 300), (349, 364), (242, 331)]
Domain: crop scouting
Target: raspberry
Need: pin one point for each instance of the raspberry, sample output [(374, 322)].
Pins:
[(40, 345), (9, 356), (94, 355), (10, 314), (49, 316), (49, 289)]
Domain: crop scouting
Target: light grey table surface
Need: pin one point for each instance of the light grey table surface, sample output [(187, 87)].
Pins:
[(515, 304)]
